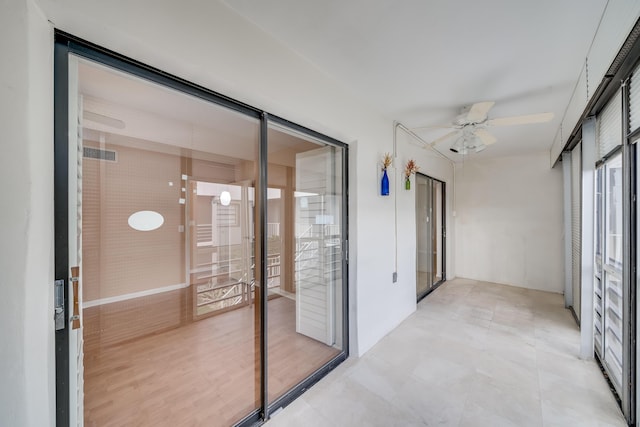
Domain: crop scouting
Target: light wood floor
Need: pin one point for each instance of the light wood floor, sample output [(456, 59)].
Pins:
[(203, 374)]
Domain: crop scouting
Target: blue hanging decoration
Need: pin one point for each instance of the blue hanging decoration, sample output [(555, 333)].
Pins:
[(384, 187)]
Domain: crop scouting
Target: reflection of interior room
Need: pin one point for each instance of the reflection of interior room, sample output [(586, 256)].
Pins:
[(170, 252), (429, 236)]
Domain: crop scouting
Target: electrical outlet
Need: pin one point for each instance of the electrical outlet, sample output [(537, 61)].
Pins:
[(395, 277)]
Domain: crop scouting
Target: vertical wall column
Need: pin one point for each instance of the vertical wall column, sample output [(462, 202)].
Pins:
[(587, 249), (566, 181)]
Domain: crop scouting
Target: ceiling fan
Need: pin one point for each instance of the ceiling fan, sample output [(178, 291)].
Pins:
[(470, 127)]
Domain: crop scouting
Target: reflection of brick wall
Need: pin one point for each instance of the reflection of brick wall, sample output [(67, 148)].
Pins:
[(118, 260)]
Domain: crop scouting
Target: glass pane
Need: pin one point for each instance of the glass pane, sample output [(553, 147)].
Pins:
[(304, 215), (424, 218), (170, 327), (429, 228), (438, 192), (613, 299), (598, 319), (613, 329), (599, 204), (613, 236)]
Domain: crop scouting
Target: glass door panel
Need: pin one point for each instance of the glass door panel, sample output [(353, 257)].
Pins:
[(429, 234), (598, 288), (438, 224), (167, 231), (613, 337), (424, 231), (183, 250), (304, 250)]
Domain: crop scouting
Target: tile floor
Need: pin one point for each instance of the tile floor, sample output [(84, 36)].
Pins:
[(473, 354)]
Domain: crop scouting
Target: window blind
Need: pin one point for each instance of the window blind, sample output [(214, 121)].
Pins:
[(634, 100), (609, 123)]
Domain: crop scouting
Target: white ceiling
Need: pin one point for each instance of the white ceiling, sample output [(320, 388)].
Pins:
[(420, 61)]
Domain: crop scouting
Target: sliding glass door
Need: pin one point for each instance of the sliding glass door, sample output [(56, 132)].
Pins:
[(304, 247), (430, 242), (612, 354), (615, 242), (164, 230), (200, 255)]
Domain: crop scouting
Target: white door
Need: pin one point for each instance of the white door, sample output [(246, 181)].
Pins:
[(316, 259)]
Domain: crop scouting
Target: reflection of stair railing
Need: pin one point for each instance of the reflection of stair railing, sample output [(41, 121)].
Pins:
[(273, 270), (303, 248), (223, 279), (309, 261), (332, 230), (306, 250), (220, 277), (225, 295)]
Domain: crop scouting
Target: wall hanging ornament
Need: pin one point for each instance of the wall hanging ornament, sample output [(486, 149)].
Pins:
[(410, 169), (384, 185)]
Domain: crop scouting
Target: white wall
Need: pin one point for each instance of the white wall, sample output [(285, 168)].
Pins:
[(376, 220), (223, 52), (509, 222), (215, 48), (431, 164), (509, 211), (26, 223)]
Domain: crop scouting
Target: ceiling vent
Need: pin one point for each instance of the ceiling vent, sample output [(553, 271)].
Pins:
[(98, 154)]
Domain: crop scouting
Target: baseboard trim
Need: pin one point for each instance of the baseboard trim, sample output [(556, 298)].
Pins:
[(124, 297)]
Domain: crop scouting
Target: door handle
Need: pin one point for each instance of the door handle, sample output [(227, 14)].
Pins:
[(75, 281), (59, 304)]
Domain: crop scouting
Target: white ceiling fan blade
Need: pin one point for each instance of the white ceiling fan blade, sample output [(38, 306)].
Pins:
[(484, 136), (521, 120), (478, 112), (444, 138)]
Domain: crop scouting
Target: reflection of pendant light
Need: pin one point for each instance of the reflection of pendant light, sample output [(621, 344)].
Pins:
[(225, 198), (145, 220)]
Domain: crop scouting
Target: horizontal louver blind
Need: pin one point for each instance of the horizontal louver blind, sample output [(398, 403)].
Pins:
[(634, 100), (576, 225), (610, 126)]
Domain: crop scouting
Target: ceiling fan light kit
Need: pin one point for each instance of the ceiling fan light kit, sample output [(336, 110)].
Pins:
[(470, 127), (463, 145)]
